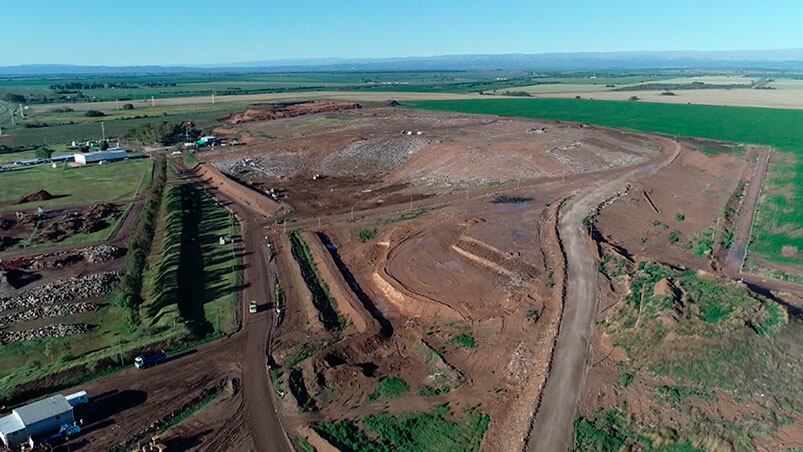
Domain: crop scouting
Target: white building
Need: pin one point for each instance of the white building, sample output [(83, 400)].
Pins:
[(39, 419), (86, 158)]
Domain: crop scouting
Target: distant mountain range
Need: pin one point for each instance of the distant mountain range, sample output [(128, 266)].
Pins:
[(783, 59)]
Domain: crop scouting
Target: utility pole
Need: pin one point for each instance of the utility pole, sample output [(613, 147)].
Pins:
[(116, 104), (12, 119), (103, 130), (153, 102), (213, 97), (22, 112)]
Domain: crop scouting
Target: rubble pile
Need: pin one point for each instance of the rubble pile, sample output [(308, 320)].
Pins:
[(54, 330), (47, 311), (62, 291)]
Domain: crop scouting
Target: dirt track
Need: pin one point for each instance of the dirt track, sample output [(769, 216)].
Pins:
[(552, 428), (747, 211), (264, 422)]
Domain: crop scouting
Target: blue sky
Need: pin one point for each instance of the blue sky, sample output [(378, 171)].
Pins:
[(204, 31)]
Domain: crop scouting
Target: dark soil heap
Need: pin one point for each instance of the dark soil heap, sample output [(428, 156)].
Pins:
[(39, 195)]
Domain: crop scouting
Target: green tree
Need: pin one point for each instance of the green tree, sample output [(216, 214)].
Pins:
[(44, 153), (16, 98)]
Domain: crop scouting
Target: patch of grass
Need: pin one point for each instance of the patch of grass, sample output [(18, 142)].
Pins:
[(431, 391), (409, 432), (465, 340), (612, 431), (390, 388), (304, 444), (366, 234), (702, 244), (303, 352), (678, 394), (83, 185)]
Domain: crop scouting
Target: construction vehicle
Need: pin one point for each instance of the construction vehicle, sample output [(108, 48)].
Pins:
[(141, 362)]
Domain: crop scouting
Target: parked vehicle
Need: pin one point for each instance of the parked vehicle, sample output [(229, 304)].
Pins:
[(252, 307), (66, 432), (141, 362)]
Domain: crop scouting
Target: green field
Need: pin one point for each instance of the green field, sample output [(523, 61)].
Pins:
[(779, 219), (74, 186), (778, 223), (440, 430)]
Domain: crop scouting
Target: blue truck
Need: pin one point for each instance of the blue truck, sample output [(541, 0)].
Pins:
[(143, 361)]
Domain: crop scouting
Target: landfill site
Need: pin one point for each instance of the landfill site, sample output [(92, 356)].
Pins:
[(472, 260)]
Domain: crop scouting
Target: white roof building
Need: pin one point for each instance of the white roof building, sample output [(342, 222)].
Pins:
[(36, 419), (85, 158)]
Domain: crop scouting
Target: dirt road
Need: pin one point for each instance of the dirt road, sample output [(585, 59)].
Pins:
[(552, 427), (747, 211), (263, 419)]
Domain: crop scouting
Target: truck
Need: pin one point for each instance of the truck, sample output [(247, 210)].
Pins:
[(143, 361)]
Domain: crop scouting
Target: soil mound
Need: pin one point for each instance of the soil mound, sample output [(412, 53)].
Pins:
[(289, 111), (39, 195)]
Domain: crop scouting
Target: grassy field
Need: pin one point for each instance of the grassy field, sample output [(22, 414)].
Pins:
[(74, 186), (778, 227), (704, 339), (435, 431), (780, 222)]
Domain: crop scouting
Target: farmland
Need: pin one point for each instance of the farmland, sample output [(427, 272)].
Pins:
[(778, 128)]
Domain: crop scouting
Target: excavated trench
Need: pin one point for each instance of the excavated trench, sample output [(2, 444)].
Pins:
[(385, 327)]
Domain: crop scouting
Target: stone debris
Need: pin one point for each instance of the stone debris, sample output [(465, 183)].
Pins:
[(47, 311), (91, 254), (53, 330), (67, 290)]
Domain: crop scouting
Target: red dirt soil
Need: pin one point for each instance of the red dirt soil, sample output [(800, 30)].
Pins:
[(290, 111)]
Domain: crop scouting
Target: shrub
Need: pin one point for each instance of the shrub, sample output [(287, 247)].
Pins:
[(390, 388), (674, 237), (94, 114), (465, 340), (367, 234), (128, 106), (679, 217)]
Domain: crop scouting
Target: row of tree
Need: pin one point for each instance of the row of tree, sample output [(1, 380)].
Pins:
[(164, 133), (129, 291)]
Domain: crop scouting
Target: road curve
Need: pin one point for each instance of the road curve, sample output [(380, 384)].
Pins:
[(552, 427)]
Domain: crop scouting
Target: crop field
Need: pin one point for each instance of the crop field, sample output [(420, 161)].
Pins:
[(778, 228), (133, 88), (774, 127), (74, 186), (47, 128)]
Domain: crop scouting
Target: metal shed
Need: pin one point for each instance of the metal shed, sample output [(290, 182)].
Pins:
[(35, 420)]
